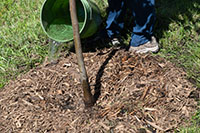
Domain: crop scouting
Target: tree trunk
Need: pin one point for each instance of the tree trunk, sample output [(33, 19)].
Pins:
[(88, 98)]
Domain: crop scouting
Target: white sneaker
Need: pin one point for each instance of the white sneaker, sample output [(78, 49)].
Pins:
[(151, 46), (115, 41)]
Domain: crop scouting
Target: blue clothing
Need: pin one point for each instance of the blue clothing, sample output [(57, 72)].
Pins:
[(143, 13)]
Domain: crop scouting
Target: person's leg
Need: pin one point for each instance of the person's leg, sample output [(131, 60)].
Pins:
[(144, 19), (115, 20)]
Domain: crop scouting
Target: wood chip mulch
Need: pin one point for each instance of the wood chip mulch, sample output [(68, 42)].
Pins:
[(135, 93)]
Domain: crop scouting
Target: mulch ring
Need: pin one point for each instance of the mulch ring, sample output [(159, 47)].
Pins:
[(136, 93)]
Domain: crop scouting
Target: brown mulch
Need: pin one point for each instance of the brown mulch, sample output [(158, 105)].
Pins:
[(136, 93)]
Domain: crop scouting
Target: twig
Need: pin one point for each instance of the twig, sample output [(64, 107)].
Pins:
[(145, 93), (150, 109), (104, 126), (154, 125)]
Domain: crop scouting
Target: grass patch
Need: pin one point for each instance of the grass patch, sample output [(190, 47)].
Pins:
[(178, 29), (192, 129), (21, 38)]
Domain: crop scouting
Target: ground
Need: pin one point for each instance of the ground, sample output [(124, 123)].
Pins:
[(134, 93)]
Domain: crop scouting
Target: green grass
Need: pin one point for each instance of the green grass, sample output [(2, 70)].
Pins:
[(192, 129), (23, 44), (22, 41), (178, 29)]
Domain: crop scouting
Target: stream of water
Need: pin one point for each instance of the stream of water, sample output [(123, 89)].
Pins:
[(54, 50)]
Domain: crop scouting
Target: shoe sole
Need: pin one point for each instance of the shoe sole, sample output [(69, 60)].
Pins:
[(146, 50)]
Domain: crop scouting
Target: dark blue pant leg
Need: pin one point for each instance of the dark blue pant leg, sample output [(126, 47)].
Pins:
[(115, 20), (144, 18)]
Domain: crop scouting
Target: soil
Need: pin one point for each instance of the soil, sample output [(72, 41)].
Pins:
[(134, 93)]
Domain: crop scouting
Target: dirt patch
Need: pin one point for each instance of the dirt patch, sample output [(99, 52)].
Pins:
[(135, 93)]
